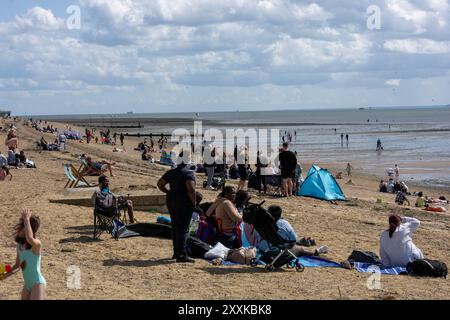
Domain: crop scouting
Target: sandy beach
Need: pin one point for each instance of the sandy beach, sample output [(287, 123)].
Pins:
[(139, 268)]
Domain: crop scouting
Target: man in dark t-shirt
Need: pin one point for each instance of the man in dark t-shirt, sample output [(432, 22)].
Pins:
[(180, 201), (288, 162)]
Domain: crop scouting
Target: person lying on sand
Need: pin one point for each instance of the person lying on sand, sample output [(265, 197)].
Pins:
[(287, 232)]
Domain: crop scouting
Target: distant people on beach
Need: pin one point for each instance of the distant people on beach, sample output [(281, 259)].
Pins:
[(346, 138), (379, 146), (396, 173), (396, 245), (288, 163), (342, 139), (122, 138)]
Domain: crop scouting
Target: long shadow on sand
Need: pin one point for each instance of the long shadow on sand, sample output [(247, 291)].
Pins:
[(137, 263), (233, 270), (86, 230), (82, 239)]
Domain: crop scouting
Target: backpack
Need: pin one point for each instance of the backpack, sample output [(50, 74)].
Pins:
[(426, 267), (253, 181), (234, 173), (364, 257), (105, 203), (206, 232), (196, 248)]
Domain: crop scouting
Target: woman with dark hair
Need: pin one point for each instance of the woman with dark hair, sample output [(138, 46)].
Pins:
[(396, 246), (241, 199)]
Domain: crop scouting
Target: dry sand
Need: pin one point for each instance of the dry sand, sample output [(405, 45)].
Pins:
[(139, 268)]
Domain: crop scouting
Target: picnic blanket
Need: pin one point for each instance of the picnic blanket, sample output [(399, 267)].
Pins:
[(367, 267), (308, 262), (316, 262)]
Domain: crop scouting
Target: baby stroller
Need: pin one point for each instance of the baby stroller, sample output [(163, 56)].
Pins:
[(279, 253), (274, 184), (219, 178)]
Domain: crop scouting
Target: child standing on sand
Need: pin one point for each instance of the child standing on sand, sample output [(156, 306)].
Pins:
[(29, 250)]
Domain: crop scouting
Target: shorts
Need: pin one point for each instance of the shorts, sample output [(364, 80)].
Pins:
[(242, 172), (288, 174)]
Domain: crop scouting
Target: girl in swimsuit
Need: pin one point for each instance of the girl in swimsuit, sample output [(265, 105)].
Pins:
[(29, 257)]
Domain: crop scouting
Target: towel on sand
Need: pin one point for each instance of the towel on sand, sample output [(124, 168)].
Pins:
[(367, 267)]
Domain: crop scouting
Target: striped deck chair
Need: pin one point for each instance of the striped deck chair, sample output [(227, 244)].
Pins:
[(74, 177)]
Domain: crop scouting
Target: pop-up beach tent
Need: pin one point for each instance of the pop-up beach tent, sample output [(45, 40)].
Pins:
[(320, 184)]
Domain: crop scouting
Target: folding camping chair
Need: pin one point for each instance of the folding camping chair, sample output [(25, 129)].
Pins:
[(106, 222), (279, 252), (74, 177)]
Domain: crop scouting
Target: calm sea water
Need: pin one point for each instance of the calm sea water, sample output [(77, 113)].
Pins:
[(418, 139)]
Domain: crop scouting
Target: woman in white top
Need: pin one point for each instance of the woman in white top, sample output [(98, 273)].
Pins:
[(396, 246)]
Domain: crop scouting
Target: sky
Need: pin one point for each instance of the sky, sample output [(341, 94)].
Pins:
[(221, 55)]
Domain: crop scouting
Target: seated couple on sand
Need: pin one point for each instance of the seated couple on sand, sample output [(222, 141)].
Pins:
[(93, 168), (227, 210)]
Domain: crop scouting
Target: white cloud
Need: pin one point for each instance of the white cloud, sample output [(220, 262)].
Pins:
[(393, 82), (418, 46)]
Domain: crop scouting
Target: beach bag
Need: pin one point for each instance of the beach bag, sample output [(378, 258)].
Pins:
[(241, 255), (196, 248), (234, 173), (207, 232), (218, 251), (426, 267), (364, 257), (253, 181)]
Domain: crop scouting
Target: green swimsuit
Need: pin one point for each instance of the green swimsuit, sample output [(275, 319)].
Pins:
[(32, 271)]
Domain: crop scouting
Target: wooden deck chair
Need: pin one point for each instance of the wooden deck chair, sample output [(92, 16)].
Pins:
[(91, 171), (74, 177)]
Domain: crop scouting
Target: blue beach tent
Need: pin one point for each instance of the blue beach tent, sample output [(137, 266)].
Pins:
[(320, 184)]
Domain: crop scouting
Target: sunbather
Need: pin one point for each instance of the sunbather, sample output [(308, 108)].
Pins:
[(396, 246), (98, 167), (224, 210), (287, 233)]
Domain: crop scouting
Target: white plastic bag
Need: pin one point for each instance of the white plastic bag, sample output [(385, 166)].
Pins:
[(218, 251)]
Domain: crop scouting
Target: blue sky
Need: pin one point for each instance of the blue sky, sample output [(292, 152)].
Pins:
[(221, 55)]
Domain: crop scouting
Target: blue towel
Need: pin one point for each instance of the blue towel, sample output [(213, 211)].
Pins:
[(367, 267), (318, 262)]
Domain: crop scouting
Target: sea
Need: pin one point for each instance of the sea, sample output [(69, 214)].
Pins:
[(417, 139)]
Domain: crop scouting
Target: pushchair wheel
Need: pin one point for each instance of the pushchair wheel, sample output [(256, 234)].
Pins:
[(253, 262), (299, 267), (270, 268), (291, 264)]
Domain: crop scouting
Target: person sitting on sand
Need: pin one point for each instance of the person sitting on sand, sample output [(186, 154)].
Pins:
[(396, 246), (390, 186), (4, 172), (420, 202), (227, 216), (400, 198), (3, 160), (288, 234), (13, 161), (103, 184), (98, 167), (383, 186)]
